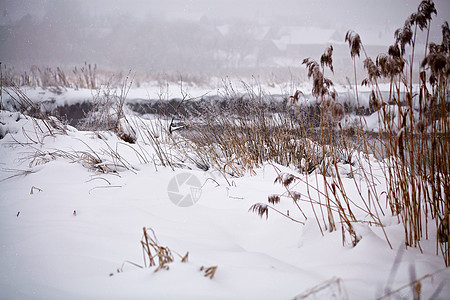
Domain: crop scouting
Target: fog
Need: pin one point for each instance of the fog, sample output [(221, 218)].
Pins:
[(189, 36)]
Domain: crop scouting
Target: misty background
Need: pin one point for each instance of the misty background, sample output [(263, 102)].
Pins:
[(219, 37)]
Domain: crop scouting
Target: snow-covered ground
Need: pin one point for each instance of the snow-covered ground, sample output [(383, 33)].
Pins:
[(70, 231), (177, 90)]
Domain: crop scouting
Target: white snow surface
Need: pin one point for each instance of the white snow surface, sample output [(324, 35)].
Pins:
[(66, 229)]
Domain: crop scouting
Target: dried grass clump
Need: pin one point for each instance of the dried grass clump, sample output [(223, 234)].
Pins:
[(242, 133), (412, 146), (417, 145), (109, 161), (43, 124), (108, 112), (155, 254), (84, 77), (332, 110), (209, 271)]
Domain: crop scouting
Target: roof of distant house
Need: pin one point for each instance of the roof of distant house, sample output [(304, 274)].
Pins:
[(298, 35)]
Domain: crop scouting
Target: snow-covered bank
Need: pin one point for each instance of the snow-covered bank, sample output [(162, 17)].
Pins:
[(66, 228), (156, 98), (150, 91)]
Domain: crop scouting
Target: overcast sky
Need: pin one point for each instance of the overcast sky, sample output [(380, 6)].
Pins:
[(333, 12), (378, 15)]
